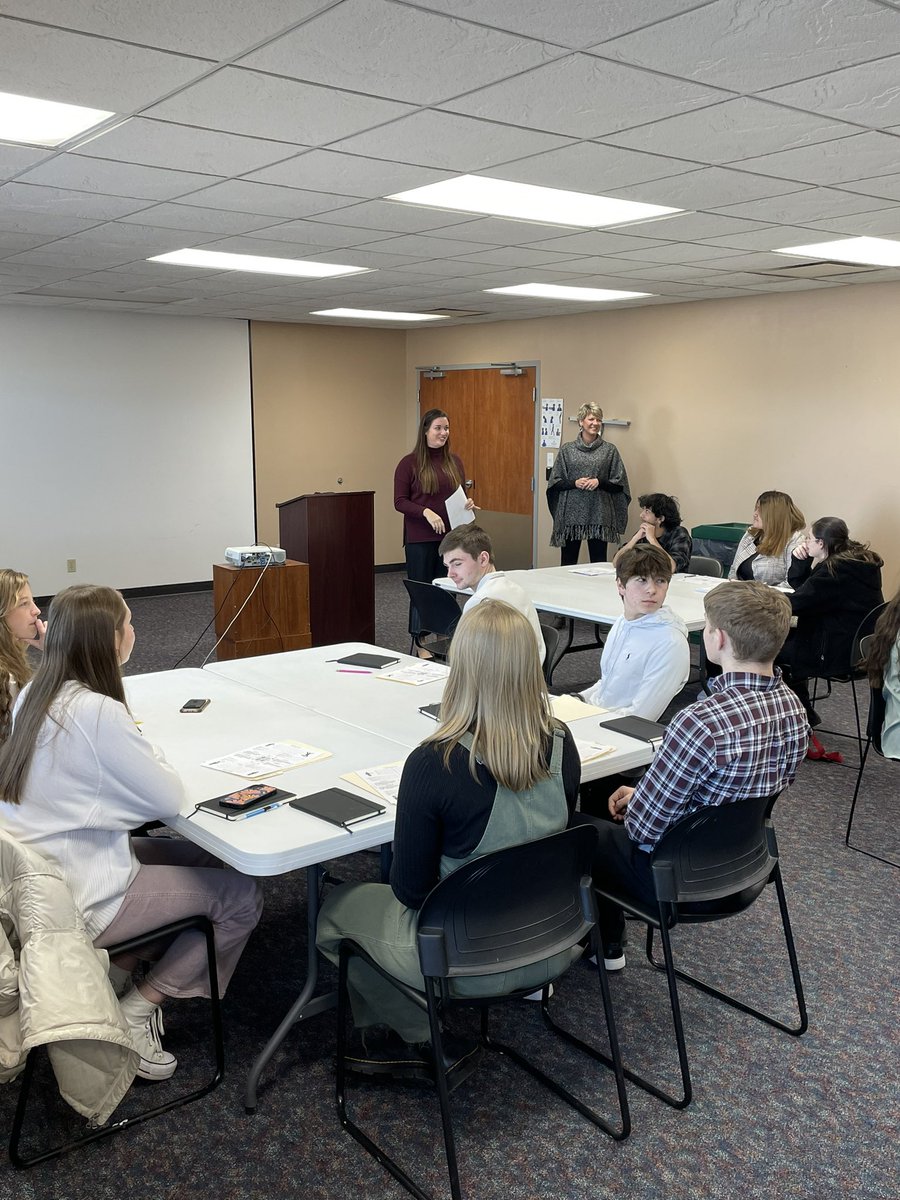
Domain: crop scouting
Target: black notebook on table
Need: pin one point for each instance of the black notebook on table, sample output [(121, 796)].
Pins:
[(431, 710), (218, 809), (373, 662), (637, 727), (338, 807)]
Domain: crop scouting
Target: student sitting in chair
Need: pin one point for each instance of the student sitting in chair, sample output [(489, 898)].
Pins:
[(746, 739), (469, 558)]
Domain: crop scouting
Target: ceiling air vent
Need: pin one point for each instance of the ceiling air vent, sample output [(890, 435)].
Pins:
[(457, 312), (825, 269)]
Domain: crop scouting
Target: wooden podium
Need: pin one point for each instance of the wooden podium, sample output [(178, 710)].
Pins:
[(335, 533), (275, 619)]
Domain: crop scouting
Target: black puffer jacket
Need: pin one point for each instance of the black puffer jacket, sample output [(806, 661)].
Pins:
[(830, 602)]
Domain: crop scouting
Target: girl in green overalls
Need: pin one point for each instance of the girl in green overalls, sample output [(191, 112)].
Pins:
[(498, 771)]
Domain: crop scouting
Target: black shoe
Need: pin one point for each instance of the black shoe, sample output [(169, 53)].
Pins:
[(380, 1053)]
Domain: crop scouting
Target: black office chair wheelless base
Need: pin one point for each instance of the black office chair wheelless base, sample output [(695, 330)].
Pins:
[(163, 933)]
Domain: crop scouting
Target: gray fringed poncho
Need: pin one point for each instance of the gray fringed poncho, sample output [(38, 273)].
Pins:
[(578, 514)]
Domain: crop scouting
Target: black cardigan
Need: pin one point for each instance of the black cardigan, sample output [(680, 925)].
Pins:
[(830, 605)]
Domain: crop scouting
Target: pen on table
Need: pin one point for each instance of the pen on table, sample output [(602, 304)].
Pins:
[(345, 671), (258, 812)]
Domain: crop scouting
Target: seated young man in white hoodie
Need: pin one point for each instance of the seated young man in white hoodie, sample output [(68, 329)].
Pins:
[(469, 558), (646, 659)]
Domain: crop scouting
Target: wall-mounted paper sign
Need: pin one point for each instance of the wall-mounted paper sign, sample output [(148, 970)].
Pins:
[(551, 422)]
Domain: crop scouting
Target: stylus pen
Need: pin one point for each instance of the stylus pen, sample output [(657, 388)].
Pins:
[(344, 671)]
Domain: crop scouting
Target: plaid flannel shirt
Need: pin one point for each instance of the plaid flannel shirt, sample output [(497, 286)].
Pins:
[(746, 739)]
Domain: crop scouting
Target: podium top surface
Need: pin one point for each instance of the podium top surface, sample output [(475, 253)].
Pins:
[(316, 495)]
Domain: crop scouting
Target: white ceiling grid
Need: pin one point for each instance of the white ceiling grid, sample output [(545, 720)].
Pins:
[(278, 129)]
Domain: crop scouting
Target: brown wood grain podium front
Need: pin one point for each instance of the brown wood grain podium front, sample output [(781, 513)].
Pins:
[(335, 533), (276, 617)]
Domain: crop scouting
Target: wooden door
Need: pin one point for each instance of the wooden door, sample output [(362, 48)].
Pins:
[(492, 424)]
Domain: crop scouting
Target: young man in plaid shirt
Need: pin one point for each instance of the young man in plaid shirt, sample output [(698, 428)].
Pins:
[(745, 739)]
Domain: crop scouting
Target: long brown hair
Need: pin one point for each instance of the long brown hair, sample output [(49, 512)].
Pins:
[(80, 647), (496, 692), (13, 662), (425, 471), (834, 535), (781, 519), (884, 638)]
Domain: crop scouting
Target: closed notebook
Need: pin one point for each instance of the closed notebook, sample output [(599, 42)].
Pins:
[(217, 809), (338, 807), (374, 662), (637, 727), (431, 710)]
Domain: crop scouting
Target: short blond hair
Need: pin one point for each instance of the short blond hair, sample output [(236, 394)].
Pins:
[(594, 409), (755, 616)]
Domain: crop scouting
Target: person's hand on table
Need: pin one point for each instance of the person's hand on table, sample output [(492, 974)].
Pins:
[(618, 802), (433, 520)]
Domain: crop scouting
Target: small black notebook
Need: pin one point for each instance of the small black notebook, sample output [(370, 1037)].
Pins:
[(431, 710), (637, 727), (338, 807), (374, 662), (241, 814)]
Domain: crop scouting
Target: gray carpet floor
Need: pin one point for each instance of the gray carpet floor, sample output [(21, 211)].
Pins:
[(773, 1116)]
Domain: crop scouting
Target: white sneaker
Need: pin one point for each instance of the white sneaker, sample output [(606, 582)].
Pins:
[(615, 961), (145, 1027), (538, 995)]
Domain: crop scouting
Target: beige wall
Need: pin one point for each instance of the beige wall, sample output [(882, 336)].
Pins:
[(727, 399), (329, 403)]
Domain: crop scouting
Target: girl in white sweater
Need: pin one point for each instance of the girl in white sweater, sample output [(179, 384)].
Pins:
[(76, 775)]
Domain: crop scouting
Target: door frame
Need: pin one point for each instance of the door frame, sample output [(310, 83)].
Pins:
[(535, 430)]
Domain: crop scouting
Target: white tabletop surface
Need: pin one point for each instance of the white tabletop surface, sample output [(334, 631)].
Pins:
[(570, 593)]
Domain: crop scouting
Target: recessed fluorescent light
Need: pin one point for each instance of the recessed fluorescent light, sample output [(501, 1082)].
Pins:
[(869, 251), (373, 314), (556, 291), (215, 260), (44, 122), (525, 202)]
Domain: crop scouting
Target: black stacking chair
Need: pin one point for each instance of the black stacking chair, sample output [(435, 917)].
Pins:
[(117, 1123), (710, 865), (553, 651), (855, 672), (874, 726), (699, 565), (481, 921), (439, 614)]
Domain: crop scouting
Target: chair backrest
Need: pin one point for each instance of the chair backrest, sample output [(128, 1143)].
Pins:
[(438, 609), (510, 908), (877, 706), (553, 650), (716, 852), (705, 566)]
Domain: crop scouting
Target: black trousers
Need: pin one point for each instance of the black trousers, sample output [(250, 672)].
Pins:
[(423, 563), (568, 553), (619, 862)]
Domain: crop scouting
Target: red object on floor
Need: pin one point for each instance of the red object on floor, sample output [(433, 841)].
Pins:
[(818, 753)]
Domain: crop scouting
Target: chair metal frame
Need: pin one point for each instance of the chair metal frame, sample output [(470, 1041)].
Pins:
[(443, 957), (874, 726), (439, 613), (744, 860), (204, 925), (854, 675)]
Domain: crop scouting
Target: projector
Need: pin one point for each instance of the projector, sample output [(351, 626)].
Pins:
[(254, 556)]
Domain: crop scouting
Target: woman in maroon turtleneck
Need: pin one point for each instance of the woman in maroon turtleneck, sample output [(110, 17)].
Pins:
[(422, 482)]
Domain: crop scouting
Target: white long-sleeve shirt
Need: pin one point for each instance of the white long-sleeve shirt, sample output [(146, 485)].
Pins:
[(93, 777), (496, 586), (645, 663)]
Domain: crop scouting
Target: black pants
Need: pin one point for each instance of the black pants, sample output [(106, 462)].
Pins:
[(423, 563), (568, 553), (619, 863)]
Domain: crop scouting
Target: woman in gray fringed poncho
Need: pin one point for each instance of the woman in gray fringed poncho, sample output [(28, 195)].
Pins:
[(588, 491)]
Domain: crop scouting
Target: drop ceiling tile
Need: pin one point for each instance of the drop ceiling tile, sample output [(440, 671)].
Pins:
[(61, 254), (14, 159), (348, 174), (584, 97), (594, 241), (455, 267), (144, 240), (799, 208), (115, 179), (675, 252), (423, 246), (592, 167), (210, 31), (884, 222), (398, 52), (691, 226), (316, 233), (395, 217), (597, 264), (498, 231), (710, 187), (64, 203), (200, 220), (258, 105), (365, 258), (883, 187), (181, 148), (513, 256), (93, 71), (673, 273), (868, 94), (449, 141), (830, 163), (760, 261), (236, 195), (269, 249), (577, 23), (767, 238), (14, 243), (732, 131), (747, 47)]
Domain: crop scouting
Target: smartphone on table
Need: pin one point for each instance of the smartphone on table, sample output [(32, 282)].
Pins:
[(248, 795), (194, 706)]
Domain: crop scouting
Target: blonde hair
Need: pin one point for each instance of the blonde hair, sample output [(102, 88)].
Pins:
[(590, 408), (755, 616), (496, 692), (781, 519), (13, 662)]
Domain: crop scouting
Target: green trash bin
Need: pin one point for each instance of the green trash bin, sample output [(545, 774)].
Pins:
[(719, 541)]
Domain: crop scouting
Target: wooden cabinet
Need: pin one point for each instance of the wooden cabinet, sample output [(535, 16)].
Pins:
[(276, 616)]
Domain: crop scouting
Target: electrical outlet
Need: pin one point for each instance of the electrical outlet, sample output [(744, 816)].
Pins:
[(70, 566)]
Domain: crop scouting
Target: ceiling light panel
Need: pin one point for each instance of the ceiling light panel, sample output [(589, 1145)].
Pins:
[(371, 314), (527, 202), (557, 291), (220, 261), (869, 251), (31, 122)]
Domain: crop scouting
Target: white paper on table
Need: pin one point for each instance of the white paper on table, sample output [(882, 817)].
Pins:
[(569, 708), (590, 751), (457, 513), (268, 758), (606, 569), (383, 781), (417, 673)]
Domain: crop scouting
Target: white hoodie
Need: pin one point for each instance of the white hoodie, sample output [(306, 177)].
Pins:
[(645, 663)]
